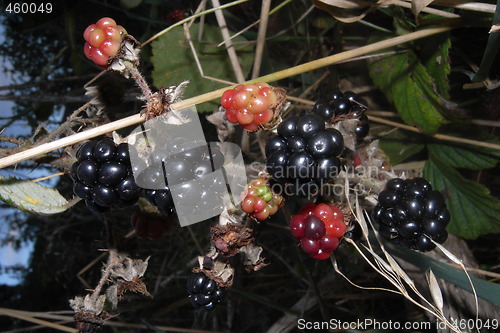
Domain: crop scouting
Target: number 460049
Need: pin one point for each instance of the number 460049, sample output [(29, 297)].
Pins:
[(29, 8)]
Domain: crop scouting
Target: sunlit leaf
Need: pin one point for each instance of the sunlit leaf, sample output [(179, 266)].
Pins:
[(31, 197)]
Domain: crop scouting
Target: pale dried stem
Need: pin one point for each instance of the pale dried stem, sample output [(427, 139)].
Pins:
[(426, 9), (481, 122), (261, 37), (465, 5), (436, 136), (136, 119), (238, 72), (27, 317)]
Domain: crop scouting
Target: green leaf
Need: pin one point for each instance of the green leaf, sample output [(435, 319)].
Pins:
[(464, 156), (400, 145), (406, 82), (437, 63), (31, 197), (174, 62), (474, 212)]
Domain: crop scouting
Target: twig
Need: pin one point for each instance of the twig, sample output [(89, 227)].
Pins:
[(261, 37), (45, 323), (136, 119), (481, 122), (29, 316), (229, 45), (436, 136)]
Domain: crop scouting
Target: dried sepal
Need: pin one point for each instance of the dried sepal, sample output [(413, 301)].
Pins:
[(89, 313), (160, 102), (276, 109), (251, 257), (129, 269), (221, 272), (225, 129), (127, 56), (228, 239)]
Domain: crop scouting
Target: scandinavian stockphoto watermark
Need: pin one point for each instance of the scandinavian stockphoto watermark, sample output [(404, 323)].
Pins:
[(171, 153), (374, 324)]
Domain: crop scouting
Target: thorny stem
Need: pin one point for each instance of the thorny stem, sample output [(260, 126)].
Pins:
[(141, 82), (112, 261)]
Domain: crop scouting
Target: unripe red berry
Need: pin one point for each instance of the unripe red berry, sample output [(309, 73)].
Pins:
[(103, 40)]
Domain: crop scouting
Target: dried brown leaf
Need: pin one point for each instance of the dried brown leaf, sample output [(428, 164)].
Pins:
[(418, 5)]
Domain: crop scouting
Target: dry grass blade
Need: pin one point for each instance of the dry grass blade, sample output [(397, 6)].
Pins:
[(336, 268), (360, 218), (385, 267), (29, 318), (457, 261), (435, 290), (395, 266)]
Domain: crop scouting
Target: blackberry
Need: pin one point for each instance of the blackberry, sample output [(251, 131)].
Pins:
[(346, 104), (410, 213), (103, 175), (304, 154), (204, 292)]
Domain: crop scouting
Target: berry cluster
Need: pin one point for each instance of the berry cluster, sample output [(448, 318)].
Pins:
[(102, 40), (250, 105), (319, 229), (260, 202), (347, 105), (410, 212), (103, 175), (204, 292), (149, 226), (304, 154), (186, 168)]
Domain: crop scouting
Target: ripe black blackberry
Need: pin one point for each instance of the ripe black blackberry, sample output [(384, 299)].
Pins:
[(204, 292), (303, 155), (344, 105), (103, 175), (410, 213)]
